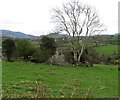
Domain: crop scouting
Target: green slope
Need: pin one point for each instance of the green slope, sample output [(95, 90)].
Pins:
[(19, 78), (108, 49)]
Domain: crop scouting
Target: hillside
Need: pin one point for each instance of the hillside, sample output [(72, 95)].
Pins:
[(57, 36), (12, 34)]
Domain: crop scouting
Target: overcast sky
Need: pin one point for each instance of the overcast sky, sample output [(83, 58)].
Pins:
[(33, 16)]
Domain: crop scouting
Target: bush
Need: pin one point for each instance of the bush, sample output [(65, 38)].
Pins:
[(25, 48), (68, 56), (45, 51), (48, 45), (90, 56), (40, 56), (115, 61), (8, 48)]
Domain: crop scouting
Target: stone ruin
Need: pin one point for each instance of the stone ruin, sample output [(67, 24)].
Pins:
[(58, 58)]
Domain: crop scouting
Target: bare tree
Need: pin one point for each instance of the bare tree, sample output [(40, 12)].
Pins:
[(77, 19)]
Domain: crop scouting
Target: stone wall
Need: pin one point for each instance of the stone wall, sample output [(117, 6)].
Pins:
[(57, 59)]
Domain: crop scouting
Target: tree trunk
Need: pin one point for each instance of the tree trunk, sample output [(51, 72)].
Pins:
[(75, 56), (80, 54)]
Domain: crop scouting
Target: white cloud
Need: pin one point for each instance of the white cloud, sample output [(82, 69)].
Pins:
[(33, 16)]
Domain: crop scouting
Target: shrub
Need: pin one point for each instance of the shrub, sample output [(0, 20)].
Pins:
[(89, 55), (48, 45), (115, 61), (45, 51), (25, 48), (40, 56), (8, 48), (68, 56)]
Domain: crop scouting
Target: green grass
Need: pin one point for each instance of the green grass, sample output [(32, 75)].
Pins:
[(19, 78), (107, 49)]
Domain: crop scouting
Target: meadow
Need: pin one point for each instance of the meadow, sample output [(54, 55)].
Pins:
[(108, 49), (19, 80)]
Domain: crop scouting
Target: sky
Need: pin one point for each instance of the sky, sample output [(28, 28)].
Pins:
[(34, 16)]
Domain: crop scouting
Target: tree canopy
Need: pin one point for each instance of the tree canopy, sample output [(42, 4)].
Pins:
[(48, 44), (8, 48), (24, 48)]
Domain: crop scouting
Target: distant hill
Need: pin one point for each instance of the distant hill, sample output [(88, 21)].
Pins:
[(56, 36), (117, 34), (11, 34)]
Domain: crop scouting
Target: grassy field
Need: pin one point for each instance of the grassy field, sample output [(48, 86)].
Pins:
[(19, 80), (107, 49)]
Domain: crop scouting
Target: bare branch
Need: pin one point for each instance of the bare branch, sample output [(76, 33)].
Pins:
[(76, 20)]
